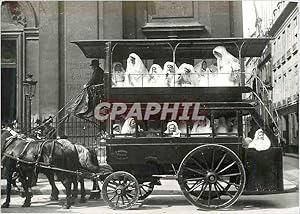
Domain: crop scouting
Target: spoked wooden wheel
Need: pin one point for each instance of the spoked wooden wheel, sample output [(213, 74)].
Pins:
[(146, 189), (211, 177), (120, 190)]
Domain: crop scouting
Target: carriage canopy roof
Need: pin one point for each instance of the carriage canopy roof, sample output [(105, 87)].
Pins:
[(187, 48)]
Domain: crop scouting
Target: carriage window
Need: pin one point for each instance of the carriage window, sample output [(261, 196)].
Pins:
[(151, 128), (226, 124), (201, 127)]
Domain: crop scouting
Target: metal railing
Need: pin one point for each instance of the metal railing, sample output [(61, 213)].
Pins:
[(180, 80)]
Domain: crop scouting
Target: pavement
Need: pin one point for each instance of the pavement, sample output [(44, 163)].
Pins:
[(171, 187)]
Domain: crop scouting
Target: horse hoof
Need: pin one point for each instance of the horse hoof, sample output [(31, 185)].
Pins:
[(5, 205), (82, 200), (26, 204), (66, 206), (53, 198)]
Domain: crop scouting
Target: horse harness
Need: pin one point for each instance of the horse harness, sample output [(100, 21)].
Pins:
[(37, 162)]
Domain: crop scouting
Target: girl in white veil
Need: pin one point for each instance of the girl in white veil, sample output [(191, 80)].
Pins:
[(172, 129), (170, 69), (157, 78), (228, 67), (118, 75), (260, 142), (136, 72)]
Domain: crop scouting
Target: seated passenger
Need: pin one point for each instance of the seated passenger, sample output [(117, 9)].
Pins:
[(228, 67), (136, 72), (187, 76), (129, 127), (117, 129), (170, 69), (226, 126), (201, 126), (231, 125), (260, 142), (221, 127), (118, 75), (157, 78), (202, 71), (172, 129)]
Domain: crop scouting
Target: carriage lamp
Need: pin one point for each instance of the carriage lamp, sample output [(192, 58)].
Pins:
[(29, 86)]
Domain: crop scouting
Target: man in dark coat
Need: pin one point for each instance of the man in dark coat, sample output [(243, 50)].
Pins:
[(92, 91), (97, 76)]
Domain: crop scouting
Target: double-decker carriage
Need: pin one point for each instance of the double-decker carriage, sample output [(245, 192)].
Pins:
[(207, 153)]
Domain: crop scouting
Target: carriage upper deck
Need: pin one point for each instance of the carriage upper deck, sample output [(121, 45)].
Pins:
[(174, 50)]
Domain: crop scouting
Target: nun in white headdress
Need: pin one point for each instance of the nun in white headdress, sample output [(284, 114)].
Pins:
[(118, 75), (170, 69), (186, 76), (157, 78), (260, 142), (202, 73), (136, 72), (201, 126), (228, 67), (129, 126)]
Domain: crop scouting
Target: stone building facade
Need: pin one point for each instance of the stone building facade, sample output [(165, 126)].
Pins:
[(36, 38)]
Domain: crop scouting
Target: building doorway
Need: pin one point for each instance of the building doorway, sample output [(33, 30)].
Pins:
[(11, 72)]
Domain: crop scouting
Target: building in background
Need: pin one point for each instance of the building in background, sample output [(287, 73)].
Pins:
[(36, 38), (278, 67)]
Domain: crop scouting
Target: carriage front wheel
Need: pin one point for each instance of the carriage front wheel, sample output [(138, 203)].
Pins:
[(120, 190), (211, 177)]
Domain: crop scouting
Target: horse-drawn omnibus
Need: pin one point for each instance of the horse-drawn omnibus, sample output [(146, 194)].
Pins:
[(194, 133)]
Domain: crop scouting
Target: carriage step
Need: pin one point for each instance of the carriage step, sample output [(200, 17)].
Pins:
[(167, 177)]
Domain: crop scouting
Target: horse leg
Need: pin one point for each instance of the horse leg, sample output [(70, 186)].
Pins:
[(95, 193), (54, 190), (67, 184), (26, 182), (9, 181), (82, 191), (75, 191)]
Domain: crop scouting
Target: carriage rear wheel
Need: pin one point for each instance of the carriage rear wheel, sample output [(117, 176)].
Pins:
[(211, 177), (146, 189), (120, 190)]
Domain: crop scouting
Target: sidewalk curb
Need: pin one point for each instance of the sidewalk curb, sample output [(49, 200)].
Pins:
[(291, 155), (158, 190)]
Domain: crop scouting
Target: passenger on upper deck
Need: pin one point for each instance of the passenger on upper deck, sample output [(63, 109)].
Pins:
[(187, 76), (172, 129), (170, 69), (136, 72), (118, 75), (228, 67), (202, 71), (157, 78)]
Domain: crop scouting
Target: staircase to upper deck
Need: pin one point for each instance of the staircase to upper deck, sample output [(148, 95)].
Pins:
[(264, 112)]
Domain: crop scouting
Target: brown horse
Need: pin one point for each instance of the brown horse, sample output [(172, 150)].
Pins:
[(24, 156)]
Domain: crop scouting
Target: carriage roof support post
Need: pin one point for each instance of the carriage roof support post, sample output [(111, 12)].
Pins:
[(240, 47), (107, 79)]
